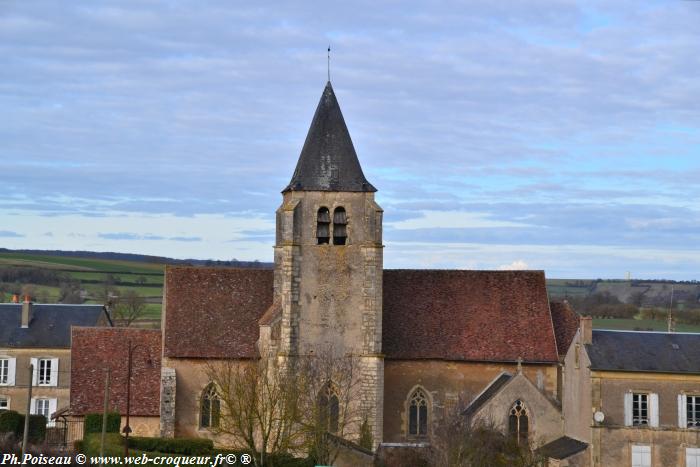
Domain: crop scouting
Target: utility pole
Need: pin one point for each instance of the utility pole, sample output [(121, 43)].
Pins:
[(105, 409), (25, 437), (671, 324)]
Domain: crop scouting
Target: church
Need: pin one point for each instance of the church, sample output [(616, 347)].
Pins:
[(423, 339)]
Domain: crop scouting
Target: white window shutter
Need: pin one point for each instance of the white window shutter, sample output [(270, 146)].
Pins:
[(54, 372), (52, 410), (35, 373), (628, 409), (654, 410), (32, 406), (11, 371), (682, 414)]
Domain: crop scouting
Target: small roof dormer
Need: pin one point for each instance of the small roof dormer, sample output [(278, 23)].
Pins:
[(328, 161)]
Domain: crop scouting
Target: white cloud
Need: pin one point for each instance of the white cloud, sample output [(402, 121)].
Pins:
[(452, 219), (516, 265)]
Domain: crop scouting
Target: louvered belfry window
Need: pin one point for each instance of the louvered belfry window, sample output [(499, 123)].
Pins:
[(323, 226), (340, 226)]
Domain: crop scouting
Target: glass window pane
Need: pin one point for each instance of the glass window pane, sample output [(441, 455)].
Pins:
[(423, 420), (413, 420)]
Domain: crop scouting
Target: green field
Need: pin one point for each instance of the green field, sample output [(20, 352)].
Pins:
[(78, 264), (144, 278), (641, 325)]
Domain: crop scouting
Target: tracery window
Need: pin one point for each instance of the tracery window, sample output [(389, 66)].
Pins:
[(323, 226), (340, 224), (518, 422), (210, 407), (418, 413), (329, 408)]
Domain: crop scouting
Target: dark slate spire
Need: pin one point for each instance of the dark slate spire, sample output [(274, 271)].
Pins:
[(328, 161)]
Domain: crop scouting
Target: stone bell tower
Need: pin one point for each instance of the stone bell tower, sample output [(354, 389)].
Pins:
[(328, 258)]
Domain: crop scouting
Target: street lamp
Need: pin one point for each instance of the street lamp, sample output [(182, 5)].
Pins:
[(127, 429)]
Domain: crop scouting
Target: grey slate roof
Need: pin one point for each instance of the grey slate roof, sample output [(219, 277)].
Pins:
[(660, 352), (561, 448), (328, 161), (49, 327), (487, 393)]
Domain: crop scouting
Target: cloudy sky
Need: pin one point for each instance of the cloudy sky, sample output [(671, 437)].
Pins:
[(546, 134)]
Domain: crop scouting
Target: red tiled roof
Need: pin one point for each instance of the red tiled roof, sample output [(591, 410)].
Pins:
[(566, 323), (95, 349), (467, 315), (214, 312)]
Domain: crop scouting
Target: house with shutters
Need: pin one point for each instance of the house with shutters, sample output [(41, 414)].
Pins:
[(39, 335), (633, 396)]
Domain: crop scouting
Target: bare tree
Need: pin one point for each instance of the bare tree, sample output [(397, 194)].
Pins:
[(462, 442), (302, 406), (28, 290), (329, 397), (127, 308), (70, 292), (258, 407)]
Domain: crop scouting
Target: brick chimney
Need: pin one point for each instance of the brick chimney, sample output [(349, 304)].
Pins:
[(15, 298), (586, 326), (27, 311)]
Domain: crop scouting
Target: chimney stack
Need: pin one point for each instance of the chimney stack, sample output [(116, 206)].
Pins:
[(15, 298), (26, 311), (586, 326)]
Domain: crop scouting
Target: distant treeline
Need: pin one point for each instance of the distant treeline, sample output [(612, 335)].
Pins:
[(607, 305), (32, 275), (144, 258)]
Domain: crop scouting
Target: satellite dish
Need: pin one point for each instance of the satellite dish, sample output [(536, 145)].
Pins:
[(599, 417)]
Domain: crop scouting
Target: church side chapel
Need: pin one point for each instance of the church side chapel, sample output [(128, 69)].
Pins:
[(424, 341)]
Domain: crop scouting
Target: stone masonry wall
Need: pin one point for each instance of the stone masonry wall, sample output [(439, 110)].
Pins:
[(167, 402)]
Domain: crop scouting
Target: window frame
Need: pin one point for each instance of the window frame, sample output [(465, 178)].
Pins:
[(694, 452), (7, 400), (329, 408), (418, 397), (339, 240), (636, 399), (642, 450), (692, 417), (323, 224), (212, 399), (521, 413), (4, 371), (44, 374)]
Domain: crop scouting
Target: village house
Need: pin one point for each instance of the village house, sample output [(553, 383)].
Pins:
[(39, 334), (634, 397)]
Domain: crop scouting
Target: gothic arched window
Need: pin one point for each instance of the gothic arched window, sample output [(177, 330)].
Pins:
[(518, 423), (210, 407), (340, 224), (418, 413), (323, 226), (329, 408)]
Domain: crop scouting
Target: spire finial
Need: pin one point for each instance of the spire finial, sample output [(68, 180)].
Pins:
[(329, 63)]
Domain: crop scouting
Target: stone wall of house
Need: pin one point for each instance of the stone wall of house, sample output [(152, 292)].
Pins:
[(576, 392), (609, 390), (613, 445), (168, 396), (445, 383), (17, 395)]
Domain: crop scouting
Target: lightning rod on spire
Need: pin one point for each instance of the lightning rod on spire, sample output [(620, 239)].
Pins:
[(329, 62)]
